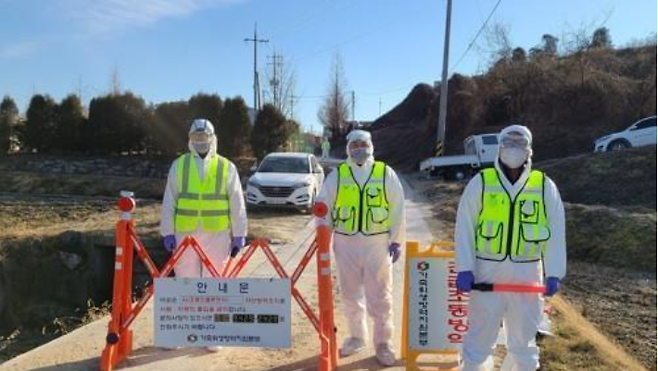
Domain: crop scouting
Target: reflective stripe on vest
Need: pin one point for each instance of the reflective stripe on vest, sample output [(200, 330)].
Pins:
[(357, 209), (516, 228), (204, 202)]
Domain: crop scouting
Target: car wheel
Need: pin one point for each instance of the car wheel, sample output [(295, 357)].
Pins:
[(456, 173), (618, 145), (459, 174)]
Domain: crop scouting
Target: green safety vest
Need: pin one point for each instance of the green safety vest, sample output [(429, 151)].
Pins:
[(364, 210), (202, 202), (516, 228)]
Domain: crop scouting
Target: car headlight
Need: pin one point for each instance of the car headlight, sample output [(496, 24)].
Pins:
[(252, 182), (301, 184), (603, 138)]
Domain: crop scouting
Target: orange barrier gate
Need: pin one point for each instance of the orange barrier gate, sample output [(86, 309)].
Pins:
[(119, 336)]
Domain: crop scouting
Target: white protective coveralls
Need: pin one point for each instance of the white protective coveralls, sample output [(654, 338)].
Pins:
[(364, 265), (521, 313), (217, 245)]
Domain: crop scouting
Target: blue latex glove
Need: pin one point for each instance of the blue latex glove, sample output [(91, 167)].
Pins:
[(237, 243), (394, 251), (552, 286), (465, 281), (170, 243)]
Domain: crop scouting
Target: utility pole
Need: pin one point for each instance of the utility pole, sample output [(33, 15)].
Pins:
[(275, 81), (443, 104), (292, 106), (256, 40), (353, 104)]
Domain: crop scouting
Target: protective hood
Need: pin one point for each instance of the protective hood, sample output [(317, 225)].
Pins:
[(360, 136), (514, 130), (202, 127)]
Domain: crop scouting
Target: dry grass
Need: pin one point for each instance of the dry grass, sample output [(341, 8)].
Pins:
[(579, 346)]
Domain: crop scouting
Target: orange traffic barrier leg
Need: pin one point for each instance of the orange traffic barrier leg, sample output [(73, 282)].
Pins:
[(119, 339), (329, 350)]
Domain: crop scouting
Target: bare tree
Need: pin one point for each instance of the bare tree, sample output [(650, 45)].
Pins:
[(496, 43), (335, 110), (281, 78), (577, 43)]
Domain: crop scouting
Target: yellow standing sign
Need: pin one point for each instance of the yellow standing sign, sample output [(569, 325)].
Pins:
[(434, 317)]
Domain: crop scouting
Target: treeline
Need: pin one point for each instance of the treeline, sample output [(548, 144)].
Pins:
[(123, 123)]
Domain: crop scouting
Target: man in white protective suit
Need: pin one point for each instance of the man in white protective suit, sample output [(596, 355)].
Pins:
[(510, 230), (367, 215), (203, 199)]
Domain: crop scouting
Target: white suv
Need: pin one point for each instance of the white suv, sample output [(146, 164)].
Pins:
[(285, 180), (641, 133)]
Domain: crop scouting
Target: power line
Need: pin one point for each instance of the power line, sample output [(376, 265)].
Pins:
[(476, 36), (275, 81)]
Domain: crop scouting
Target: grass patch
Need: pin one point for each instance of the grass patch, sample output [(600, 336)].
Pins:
[(568, 351), (625, 179), (602, 235)]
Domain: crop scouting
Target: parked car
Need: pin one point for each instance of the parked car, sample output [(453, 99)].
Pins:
[(285, 180), (641, 133)]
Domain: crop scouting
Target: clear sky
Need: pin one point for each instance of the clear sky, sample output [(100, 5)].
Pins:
[(168, 50)]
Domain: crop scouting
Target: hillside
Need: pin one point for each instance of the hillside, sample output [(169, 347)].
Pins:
[(611, 207), (567, 102), (625, 180)]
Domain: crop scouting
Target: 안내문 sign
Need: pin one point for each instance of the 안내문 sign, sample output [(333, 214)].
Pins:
[(201, 312)]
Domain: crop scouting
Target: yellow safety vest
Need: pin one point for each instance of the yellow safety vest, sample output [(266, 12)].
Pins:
[(202, 202), (517, 228), (364, 210)]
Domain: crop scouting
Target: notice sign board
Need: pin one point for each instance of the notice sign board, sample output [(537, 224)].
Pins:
[(435, 313), (201, 312)]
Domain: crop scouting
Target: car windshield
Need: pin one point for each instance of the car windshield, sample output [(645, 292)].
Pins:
[(284, 165)]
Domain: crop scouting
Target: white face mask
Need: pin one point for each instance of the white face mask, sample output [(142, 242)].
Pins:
[(360, 155), (513, 158), (201, 148)]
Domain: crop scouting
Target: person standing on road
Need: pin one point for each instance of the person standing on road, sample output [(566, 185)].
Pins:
[(326, 148), (367, 215), (203, 199), (510, 230)]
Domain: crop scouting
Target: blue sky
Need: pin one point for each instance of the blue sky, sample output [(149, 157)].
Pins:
[(168, 50)]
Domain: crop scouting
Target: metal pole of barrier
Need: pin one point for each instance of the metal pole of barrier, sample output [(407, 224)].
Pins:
[(329, 351), (126, 343), (237, 268)]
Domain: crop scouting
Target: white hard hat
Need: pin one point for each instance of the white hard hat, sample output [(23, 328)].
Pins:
[(359, 135), (518, 129)]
